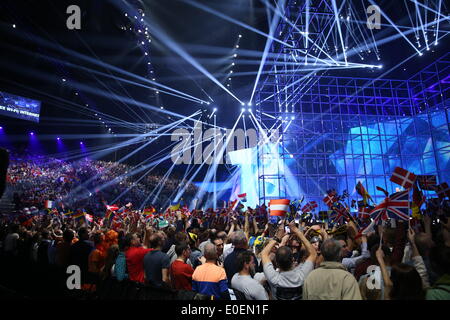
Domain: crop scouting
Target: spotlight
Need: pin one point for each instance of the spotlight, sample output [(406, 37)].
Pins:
[(249, 104), (249, 110), (1, 128), (242, 104), (420, 54), (58, 138), (235, 55), (292, 118), (14, 26), (31, 133), (237, 46), (215, 109), (81, 142), (380, 66), (240, 36), (242, 110)]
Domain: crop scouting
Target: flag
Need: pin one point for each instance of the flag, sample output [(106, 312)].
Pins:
[(427, 182), (78, 215), (443, 190), (48, 204), (386, 194), (396, 206), (242, 197), (364, 212), (89, 217), (329, 200), (174, 206), (279, 207), (233, 204), (418, 197), (363, 192), (310, 206), (403, 177), (112, 208), (339, 214), (367, 229), (149, 211)]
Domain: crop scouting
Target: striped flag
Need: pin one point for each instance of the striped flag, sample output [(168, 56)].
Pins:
[(427, 182), (149, 211), (279, 207), (242, 197), (363, 192), (89, 218), (78, 215), (112, 208), (403, 177), (48, 204)]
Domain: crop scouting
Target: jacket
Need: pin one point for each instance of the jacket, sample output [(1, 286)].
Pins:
[(331, 281), (440, 290)]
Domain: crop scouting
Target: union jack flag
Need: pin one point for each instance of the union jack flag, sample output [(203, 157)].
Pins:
[(403, 177), (396, 206), (427, 182), (443, 190), (339, 214)]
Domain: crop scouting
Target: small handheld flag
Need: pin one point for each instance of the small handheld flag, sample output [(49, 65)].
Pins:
[(279, 207), (403, 177)]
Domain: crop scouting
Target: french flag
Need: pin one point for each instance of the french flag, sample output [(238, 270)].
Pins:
[(49, 204)]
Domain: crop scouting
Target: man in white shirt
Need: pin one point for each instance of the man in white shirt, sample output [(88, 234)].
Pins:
[(243, 280)]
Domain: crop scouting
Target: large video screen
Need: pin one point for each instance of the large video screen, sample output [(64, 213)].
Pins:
[(19, 107)]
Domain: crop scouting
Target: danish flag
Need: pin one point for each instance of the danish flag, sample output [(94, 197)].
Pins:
[(279, 207), (403, 177), (364, 212), (329, 200)]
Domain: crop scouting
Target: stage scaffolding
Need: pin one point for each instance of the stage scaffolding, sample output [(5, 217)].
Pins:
[(352, 129)]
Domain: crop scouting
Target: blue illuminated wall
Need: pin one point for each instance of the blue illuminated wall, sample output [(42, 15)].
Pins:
[(353, 129)]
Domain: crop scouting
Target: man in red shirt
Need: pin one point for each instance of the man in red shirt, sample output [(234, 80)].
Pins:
[(180, 272), (134, 256)]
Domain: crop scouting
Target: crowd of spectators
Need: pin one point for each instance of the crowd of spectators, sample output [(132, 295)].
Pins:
[(220, 256), (85, 183)]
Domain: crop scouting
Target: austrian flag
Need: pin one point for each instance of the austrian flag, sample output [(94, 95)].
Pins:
[(279, 207), (403, 177)]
